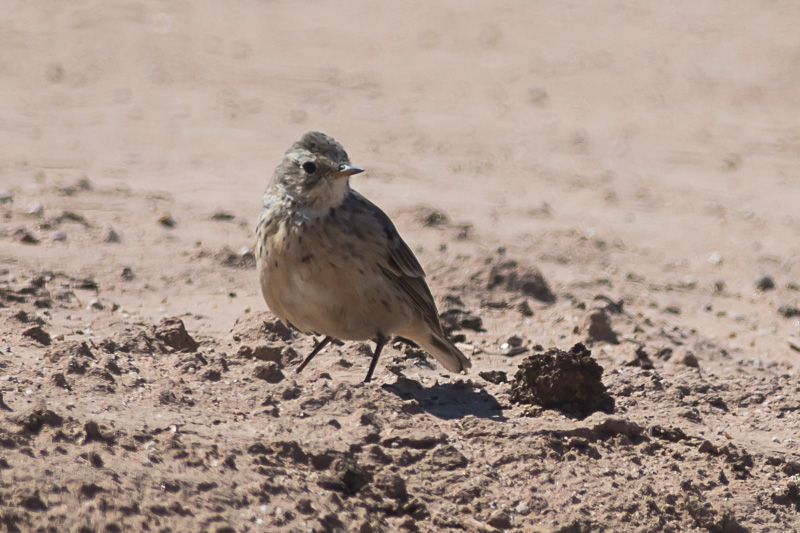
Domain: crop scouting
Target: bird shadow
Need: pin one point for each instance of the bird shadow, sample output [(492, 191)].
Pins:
[(449, 401)]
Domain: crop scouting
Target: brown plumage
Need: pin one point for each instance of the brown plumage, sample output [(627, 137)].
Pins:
[(331, 262)]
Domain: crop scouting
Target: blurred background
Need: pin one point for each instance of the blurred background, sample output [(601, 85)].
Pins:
[(672, 127)]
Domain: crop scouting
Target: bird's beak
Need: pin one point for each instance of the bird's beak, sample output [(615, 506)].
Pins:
[(346, 170)]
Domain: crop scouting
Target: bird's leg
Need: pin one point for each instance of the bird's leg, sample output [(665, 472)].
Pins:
[(379, 343), (324, 342)]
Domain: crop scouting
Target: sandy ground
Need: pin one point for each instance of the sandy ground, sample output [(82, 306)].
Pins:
[(642, 159)]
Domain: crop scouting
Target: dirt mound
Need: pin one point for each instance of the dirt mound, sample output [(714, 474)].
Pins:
[(570, 381)]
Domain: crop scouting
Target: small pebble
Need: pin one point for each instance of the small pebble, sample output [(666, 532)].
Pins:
[(514, 341), (690, 360), (35, 210), (765, 283), (167, 220), (112, 236), (127, 274)]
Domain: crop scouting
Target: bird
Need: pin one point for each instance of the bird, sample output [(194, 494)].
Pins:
[(331, 263)]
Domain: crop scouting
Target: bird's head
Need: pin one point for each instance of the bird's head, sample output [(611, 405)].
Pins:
[(315, 171)]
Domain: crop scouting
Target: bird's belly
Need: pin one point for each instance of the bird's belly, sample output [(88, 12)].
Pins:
[(333, 298)]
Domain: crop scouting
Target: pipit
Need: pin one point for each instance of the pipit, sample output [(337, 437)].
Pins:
[(331, 263)]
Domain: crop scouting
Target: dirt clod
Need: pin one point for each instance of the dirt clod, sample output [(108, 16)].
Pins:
[(765, 283), (172, 332), (38, 334), (167, 221), (530, 282), (494, 376), (599, 327), (269, 372), (570, 381)]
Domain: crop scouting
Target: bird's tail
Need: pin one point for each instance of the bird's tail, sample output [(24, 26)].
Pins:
[(446, 353)]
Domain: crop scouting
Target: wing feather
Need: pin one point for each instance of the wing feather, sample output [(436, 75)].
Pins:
[(395, 258)]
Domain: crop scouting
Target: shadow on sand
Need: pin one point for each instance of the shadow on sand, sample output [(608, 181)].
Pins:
[(449, 400)]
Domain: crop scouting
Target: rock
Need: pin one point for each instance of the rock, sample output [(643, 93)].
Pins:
[(112, 237), (131, 340), (25, 317), (392, 485), (6, 197), (511, 351), (222, 215), (434, 218), (794, 344), (524, 308), (494, 304), (456, 319), (448, 457), (212, 374), (529, 283), (515, 341), (70, 349), (494, 376), (707, 447), (474, 323), (641, 359), (76, 366), (172, 332), (35, 210), (26, 237), (38, 334), (500, 520), (690, 359), (93, 433), (35, 420), (599, 326), (348, 477), (601, 301), (269, 372), (32, 502), (71, 216), (167, 221), (304, 506), (263, 352), (95, 460), (789, 497), (671, 434), (242, 258), (765, 283), (84, 184), (43, 303), (618, 426), (260, 327), (3, 404), (788, 311)]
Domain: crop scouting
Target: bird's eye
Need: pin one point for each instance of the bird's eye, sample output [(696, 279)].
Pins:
[(309, 167)]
